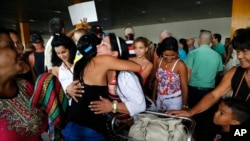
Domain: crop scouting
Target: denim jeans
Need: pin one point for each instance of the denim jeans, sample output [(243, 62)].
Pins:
[(76, 132)]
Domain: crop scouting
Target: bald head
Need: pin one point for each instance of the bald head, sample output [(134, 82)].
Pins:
[(205, 37)]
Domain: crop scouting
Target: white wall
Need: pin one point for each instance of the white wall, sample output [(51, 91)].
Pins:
[(184, 29)]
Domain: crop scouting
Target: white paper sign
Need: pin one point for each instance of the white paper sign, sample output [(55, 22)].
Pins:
[(83, 10)]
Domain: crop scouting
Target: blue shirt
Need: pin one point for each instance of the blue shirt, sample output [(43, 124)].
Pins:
[(182, 54)]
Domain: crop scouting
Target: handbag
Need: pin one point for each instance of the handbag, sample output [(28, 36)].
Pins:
[(150, 127)]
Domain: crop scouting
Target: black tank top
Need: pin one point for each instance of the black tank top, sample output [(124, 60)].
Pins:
[(81, 114), (39, 63), (244, 90)]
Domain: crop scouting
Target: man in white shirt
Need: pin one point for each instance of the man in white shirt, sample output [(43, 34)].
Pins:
[(56, 26)]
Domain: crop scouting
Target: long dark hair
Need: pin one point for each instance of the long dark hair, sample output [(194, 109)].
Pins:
[(184, 43), (119, 45), (66, 42), (86, 45)]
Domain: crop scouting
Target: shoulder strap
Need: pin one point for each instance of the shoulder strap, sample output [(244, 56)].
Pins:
[(175, 64), (160, 63), (243, 76)]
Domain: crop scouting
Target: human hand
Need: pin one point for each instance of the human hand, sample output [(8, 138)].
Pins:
[(85, 24), (75, 89), (183, 113), (101, 106)]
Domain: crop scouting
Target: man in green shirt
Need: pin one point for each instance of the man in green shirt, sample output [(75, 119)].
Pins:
[(203, 64), (218, 47)]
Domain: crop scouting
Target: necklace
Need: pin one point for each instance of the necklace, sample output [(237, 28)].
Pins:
[(68, 68), (139, 60), (166, 66)]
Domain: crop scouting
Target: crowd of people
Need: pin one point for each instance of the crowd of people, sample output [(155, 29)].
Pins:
[(100, 75)]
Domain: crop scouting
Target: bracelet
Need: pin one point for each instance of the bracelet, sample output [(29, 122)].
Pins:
[(67, 94), (185, 106), (114, 106)]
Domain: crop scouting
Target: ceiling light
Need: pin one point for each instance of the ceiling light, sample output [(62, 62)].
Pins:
[(31, 20), (58, 12), (105, 19), (198, 2), (143, 12)]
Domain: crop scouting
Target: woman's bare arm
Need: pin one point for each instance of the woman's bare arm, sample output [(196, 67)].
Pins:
[(184, 83), (210, 99), (113, 63)]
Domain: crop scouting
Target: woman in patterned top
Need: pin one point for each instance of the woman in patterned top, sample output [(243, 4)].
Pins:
[(18, 122), (171, 89)]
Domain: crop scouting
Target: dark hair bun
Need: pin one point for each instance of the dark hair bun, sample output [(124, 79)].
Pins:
[(87, 43)]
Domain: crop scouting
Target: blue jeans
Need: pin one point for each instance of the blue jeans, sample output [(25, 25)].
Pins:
[(76, 132)]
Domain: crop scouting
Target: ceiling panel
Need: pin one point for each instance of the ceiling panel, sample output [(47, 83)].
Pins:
[(112, 14)]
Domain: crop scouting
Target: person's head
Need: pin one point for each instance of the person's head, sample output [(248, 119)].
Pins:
[(36, 38), (216, 38), (238, 31), (183, 44), (113, 45), (232, 111), (168, 49), (205, 37), (141, 47), (86, 45), (129, 33), (97, 30), (79, 33), (17, 41), (63, 50), (10, 60), (56, 25), (190, 42), (164, 34), (241, 43)]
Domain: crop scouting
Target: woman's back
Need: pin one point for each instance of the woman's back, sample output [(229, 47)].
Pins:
[(80, 113), (94, 81)]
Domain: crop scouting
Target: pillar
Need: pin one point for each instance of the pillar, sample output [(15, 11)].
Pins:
[(25, 33), (240, 15)]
